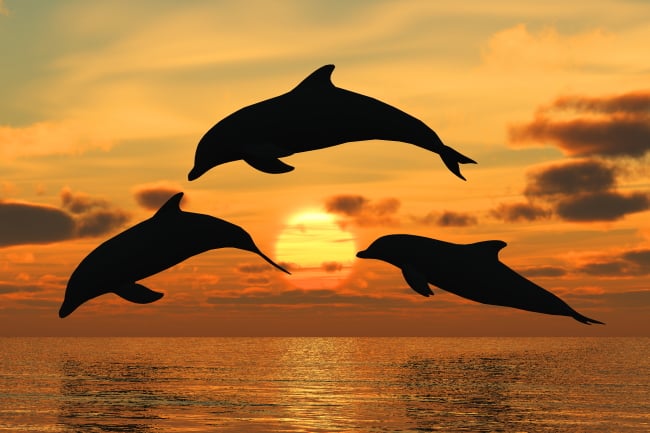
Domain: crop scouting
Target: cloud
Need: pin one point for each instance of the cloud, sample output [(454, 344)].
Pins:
[(93, 215), (349, 205), (544, 271), (253, 268), (515, 212), (587, 175), (81, 216), (602, 206), (332, 267), (446, 219), (456, 219), (153, 195), (628, 263), (100, 221), (290, 266), (363, 211), (632, 299), (258, 281), (77, 202), (608, 126), (26, 223), (634, 103), (580, 191)]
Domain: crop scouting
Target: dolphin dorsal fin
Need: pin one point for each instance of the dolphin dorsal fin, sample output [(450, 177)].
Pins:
[(320, 79), (491, 247), (172, 205)]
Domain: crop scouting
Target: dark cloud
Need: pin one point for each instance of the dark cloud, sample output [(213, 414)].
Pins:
[(82, 216), (78, 203), (345, 204), (571, 178), (635, 299), (579, 191), (258, 281), (631, 103), (24, 223), (18, 288), (153, 196), (100, 221), (640, 258), (544, 271), (332, 267), (447, 219), (290, 266), (602, 206), (611, 268), (362, 211), (515, 212), (253, 268), (629, 263), (456, 219), (608, 126)]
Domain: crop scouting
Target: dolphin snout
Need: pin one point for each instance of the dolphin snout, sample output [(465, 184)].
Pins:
[(363, 254), (194, 173), (66, 309)]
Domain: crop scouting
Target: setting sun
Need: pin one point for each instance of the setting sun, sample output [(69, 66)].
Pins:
[(317, 251)]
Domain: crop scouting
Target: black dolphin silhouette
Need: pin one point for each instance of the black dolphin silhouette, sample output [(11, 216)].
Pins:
[(314, 115), (162, 241), (472, 271)]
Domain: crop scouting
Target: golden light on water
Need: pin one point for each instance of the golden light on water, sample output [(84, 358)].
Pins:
[(316, 249)]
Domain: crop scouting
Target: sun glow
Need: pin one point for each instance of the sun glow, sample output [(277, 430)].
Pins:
[(317, 250)]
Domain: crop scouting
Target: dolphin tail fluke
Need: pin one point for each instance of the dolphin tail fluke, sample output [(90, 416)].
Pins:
[(452, 158), (584, 319), (137, 293)]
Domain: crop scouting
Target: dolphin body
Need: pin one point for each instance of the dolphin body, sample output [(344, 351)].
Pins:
[(162, 241), (314, 115), (472, 271)]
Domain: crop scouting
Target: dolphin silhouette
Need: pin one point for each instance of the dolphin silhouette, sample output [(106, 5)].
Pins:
[(314, 115), (162, 241), (472, 271)]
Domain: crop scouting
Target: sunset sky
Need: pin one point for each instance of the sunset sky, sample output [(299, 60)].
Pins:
[(102, 105)]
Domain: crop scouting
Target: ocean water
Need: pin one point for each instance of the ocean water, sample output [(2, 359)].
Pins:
[(325, 384)]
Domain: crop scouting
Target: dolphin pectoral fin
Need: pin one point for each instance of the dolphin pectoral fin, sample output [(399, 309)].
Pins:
[(417, 280), (268, 164), (137, 293)]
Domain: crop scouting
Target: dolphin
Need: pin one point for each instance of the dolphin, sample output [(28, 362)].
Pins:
[(472, 271), (162, 241), (314, 115)]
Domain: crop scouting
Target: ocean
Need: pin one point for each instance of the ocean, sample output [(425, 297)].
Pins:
[(325, 385)]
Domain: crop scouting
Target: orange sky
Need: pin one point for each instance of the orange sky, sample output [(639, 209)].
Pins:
[(104, 102)]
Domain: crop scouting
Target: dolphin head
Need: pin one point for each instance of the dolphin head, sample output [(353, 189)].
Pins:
[(218, 146), (76, 293), (68, 307), (385, 248)]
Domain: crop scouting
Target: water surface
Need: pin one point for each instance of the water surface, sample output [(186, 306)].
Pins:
[(325, 384)]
